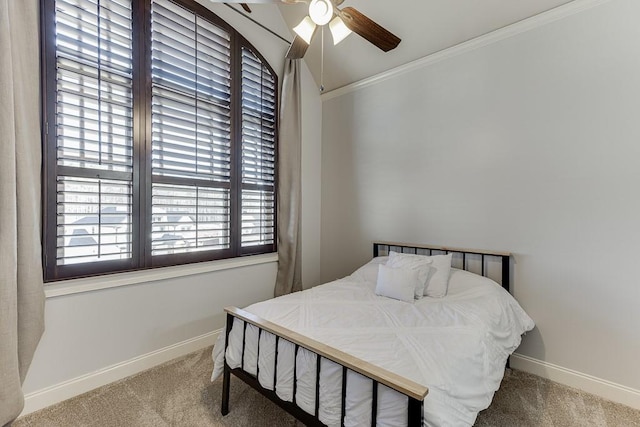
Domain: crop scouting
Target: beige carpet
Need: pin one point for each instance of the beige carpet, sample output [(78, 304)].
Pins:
[(179, 393)]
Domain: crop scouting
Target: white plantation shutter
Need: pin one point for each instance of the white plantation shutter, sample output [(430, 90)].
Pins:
[(160, 142), (191, 76), (191, 132), (189, 218), (94, 131), (259, 122)]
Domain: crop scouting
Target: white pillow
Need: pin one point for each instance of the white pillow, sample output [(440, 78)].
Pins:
[(421, 265), (397, 283), (439, 267)]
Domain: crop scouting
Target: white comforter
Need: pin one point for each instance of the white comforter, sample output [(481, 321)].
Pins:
[(457, 346)]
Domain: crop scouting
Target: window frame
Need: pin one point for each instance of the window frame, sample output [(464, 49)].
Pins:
[(142, 181)]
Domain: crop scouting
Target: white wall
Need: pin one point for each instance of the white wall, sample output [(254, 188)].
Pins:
[(530, 144), (88, 332)]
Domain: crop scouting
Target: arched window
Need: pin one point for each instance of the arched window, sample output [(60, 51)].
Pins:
[(160, 127)]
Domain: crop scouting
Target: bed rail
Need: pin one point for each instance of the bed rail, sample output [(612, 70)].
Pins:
[(414, 391)]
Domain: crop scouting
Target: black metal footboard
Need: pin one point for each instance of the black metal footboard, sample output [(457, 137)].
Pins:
[(414, 392)]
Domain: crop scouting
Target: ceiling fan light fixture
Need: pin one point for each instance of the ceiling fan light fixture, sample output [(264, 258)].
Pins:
[(339, 31), (321, 11), (305, 29)]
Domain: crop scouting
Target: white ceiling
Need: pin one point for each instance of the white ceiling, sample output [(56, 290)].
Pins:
[(425, 27)]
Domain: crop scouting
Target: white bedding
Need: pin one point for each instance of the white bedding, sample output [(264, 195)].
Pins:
[(456, 345)]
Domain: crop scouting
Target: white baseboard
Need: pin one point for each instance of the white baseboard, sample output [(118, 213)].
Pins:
[(76, 386), (603, 388)]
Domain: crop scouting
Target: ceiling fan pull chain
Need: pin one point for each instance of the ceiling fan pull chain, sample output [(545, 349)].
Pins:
[(322, 59)]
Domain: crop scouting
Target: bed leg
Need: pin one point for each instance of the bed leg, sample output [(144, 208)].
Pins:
[(226, 375), (416, 412), (226, 380)]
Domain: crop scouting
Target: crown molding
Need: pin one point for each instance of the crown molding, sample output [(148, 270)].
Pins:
[(512, 30)]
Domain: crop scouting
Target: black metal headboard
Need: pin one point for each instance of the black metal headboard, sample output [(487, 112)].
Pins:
[(383, 248)]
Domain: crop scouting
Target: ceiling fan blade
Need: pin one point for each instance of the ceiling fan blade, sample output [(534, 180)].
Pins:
[(246, 7), (366, 28), (297, 49)]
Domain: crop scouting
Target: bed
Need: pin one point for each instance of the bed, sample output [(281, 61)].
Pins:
[(341, 355)]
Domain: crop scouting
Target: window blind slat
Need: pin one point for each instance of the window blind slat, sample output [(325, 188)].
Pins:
[(94, 120), (191, 115), (189, 219), (94, 220), (258, 218), (258, 151)]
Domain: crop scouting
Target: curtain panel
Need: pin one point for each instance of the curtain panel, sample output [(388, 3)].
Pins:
[(289, 278), (21, 287)]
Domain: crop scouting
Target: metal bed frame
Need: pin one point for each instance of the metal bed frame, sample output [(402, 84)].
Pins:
[(414, 392)]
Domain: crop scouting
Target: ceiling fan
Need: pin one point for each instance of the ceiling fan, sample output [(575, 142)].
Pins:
[(341, 23)]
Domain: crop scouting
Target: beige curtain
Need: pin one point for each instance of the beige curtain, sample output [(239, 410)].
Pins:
[(289, 277), (21, 290)]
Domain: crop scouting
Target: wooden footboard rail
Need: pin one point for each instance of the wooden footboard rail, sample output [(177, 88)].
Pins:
[(414, 391)]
